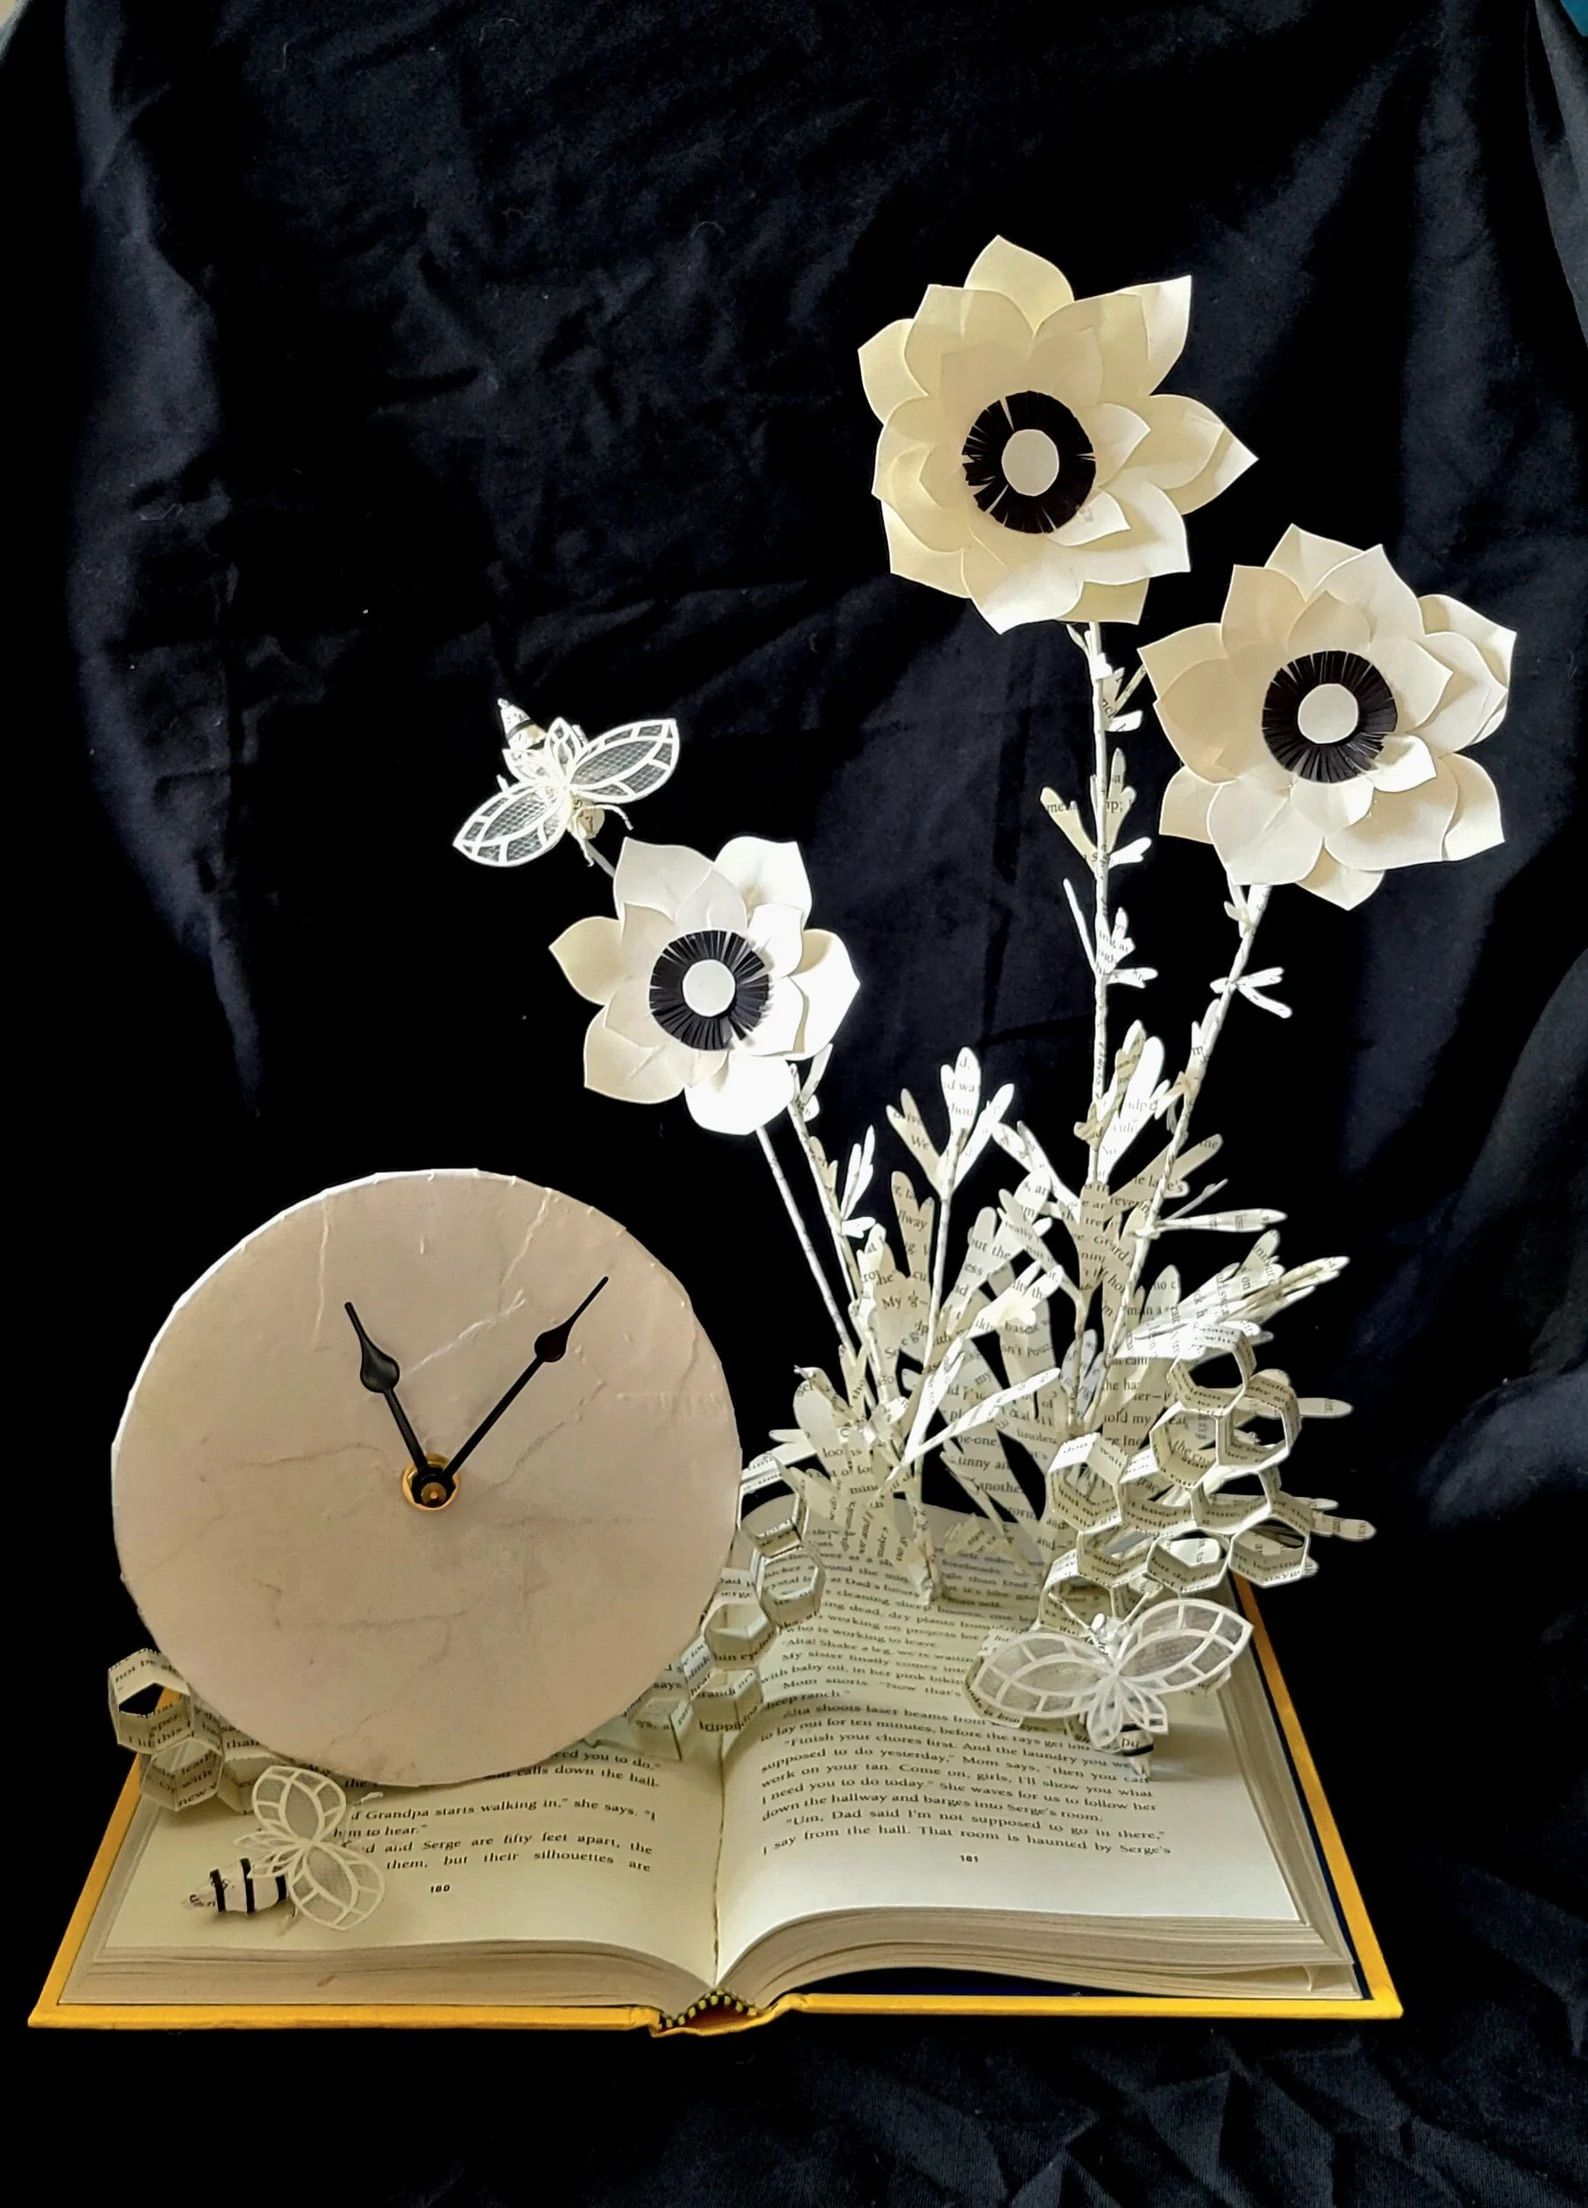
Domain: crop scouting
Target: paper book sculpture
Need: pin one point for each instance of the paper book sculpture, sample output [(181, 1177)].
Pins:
[(436, 1476)]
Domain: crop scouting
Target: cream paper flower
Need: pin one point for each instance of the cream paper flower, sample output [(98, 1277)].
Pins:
[(709, 982), (1028, 459), (1324, 722)]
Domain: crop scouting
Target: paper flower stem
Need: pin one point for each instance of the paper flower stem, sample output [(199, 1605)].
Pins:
[(845, 1342), (848, 1264), (1096, 666), (1248, 906), (1102, 768)]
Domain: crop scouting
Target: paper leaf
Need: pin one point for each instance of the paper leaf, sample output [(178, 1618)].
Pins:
[(1067, 816), (906, 1121), (962, 1094)]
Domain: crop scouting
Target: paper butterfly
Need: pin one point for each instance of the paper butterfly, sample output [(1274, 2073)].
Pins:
[(298, 1811), (564, 782), (1041, 1676)]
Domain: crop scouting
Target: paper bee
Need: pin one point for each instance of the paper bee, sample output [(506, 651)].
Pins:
[(293, 1857), (1043, 1677), (564, 783)]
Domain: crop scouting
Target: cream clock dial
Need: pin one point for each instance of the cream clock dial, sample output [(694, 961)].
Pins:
[(427, 1478)]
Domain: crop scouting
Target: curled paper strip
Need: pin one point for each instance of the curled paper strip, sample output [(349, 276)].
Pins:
[(771, 1581), (190, 1754)]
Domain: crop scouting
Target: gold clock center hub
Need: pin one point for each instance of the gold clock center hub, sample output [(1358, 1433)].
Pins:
[(424, 1490)]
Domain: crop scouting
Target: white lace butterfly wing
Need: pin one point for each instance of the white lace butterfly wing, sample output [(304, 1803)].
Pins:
[(1170, 1648), (1040, 1677), (625, 764), (521, 822), (298, 1812)]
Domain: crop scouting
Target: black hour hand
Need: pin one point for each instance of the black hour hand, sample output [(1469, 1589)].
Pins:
[(380, 1373)]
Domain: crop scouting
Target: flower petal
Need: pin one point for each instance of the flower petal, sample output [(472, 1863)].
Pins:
[(1154, 544), (1122, 337), (1201, 712), (615, 1067), (743, 1094), (1306, 559), (1403, 828), (1037, 288), (1115, 432), (1345, 886), (776, 1033), (918, 563), (934, 503), (1402, 763), (1473, 705), (827, 980), (1037, 583), (1169, 658), (1370, 582), (1067, 359), (1332, 804), (714, 903), (886, 379), (1261, 607), (1182, 437), (1329, 625), (774, 930), (1109, 602), (766, 873), (1230, 459), (630, 1015), (1101, 516), (1450, 615), (661, 875), (1476, 825), (590, 954), (1260, 835), (948, 321), (1185, 806), (1416, 677), (1166, 311)]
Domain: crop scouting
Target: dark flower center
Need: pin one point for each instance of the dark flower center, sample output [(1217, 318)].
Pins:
[(710, 988), (1326, 715), (1028, 462)]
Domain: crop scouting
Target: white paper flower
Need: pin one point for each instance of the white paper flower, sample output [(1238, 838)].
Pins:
[(709, 982), (1324, 722), (1028, 459)]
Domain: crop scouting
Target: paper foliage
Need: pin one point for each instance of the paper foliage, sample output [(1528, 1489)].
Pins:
[(1038, 1311)]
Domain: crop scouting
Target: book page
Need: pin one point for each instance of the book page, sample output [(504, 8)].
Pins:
[(600, 1847), (870, 1782)]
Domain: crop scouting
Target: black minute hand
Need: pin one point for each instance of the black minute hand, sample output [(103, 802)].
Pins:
[(380, 1374), (549, 1347)]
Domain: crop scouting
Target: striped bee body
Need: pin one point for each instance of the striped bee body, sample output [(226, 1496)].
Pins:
[(238, 1889)]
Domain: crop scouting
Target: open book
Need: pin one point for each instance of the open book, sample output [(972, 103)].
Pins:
[(867, 1822)]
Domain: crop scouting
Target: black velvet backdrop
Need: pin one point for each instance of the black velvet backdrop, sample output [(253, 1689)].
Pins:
[(368, 363)]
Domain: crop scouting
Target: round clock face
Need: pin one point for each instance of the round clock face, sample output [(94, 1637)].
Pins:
[(410, 1622)]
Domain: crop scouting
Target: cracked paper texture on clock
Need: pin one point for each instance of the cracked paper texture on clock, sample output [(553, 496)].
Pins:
[(259, 1514)]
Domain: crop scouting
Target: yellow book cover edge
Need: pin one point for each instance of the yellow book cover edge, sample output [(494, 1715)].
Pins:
[(1379, 1997)]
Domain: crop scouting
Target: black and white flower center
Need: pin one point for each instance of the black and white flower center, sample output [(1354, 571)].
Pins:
[(709, 989), (1028, 462), (1326, 715)]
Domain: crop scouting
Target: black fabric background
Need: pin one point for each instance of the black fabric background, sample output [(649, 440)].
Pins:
[(365, 364)]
